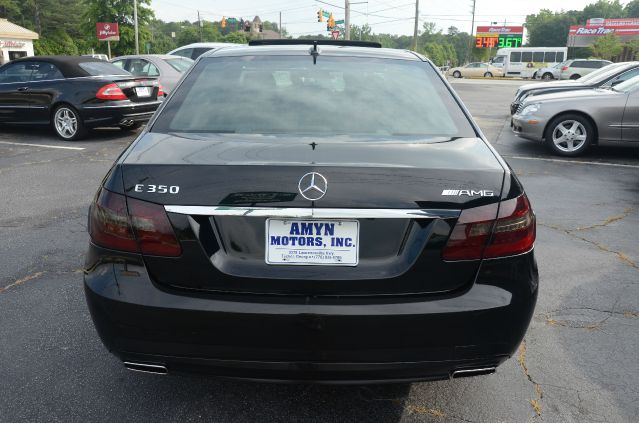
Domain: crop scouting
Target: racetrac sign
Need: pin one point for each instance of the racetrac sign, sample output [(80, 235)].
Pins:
[(586, 35), (107, 31)]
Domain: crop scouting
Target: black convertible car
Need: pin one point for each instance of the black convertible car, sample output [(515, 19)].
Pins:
[(312, 211), (73, 94)]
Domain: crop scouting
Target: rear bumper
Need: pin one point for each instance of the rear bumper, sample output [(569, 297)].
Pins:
[(329, 340), (113, 114)]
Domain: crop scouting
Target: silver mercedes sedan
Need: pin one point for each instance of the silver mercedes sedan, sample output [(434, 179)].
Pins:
[(571, 122), (167, 68)]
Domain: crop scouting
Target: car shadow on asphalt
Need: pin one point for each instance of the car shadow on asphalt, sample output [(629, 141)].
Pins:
[(219, 400), (41, 133)]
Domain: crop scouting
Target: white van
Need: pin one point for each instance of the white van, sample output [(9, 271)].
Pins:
[(526, 61)]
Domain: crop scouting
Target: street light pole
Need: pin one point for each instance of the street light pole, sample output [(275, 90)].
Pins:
[(135, 23)]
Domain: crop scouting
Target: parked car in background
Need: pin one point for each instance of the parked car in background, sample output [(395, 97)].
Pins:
[(576, 68), (571, 122), (256, 231), (97, 56), (476, 69), (549, 73), (195, 50), (166, 67), (74, 93), (607, 76)]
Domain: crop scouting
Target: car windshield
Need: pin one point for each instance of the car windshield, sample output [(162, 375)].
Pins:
[(102, 68), (627, 86), (291, 95), (180, 64), (602, 74)]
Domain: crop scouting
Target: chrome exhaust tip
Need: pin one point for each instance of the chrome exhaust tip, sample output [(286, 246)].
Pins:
[(157, 369), (127, 122), (473, 372)]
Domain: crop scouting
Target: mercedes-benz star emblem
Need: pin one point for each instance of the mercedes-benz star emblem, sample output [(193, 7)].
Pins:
[(312, 186)]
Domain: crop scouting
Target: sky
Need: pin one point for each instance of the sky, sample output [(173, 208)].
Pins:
[(388, 16)]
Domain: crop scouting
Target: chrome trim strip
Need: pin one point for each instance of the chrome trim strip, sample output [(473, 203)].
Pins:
[(314, 213), (125, 106)]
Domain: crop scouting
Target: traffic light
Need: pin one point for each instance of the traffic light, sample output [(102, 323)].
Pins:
[(320, 15), (223, 23), (331, 21)]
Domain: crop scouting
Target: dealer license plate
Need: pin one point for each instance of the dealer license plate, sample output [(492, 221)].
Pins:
[(143, 91), (312, 242)]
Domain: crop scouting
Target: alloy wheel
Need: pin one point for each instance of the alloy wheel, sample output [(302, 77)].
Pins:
[(569, 136), (66, 122)]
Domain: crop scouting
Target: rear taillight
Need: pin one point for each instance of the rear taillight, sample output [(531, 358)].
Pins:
[(109, 224), (144, 228), (161, 91), (111, 92), (478, 234), (152, 229), (564, 68)]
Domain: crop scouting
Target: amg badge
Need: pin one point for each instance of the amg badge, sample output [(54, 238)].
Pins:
[(468, 192)]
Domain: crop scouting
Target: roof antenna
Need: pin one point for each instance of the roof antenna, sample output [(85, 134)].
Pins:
[(314, 52)]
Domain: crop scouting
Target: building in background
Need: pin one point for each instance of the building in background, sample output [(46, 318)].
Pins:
[(15, 41), (586, 35), (258, 32)]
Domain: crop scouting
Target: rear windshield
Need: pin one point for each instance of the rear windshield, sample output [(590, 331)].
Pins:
[(102, 68), (291, 95), (180, 64)]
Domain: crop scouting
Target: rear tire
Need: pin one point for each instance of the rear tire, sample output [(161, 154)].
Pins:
[(488, 75), (570, 135), (457, 74), (67, 123), (547, 76)]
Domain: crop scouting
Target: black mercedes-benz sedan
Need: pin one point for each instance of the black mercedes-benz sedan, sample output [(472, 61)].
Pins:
[(73, 94), (312, 212)]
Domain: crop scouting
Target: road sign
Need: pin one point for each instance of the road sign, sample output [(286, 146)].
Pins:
[(341, 21), (107, 31), (335, 34)]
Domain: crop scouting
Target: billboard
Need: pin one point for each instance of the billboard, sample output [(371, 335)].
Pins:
[(107, 31), (586, 35), (499, 36)]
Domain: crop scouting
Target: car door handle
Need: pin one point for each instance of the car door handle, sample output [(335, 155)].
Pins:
[(22, 89)]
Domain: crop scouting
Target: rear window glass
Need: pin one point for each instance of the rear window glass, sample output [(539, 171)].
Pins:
[(291, 95), (180, 64), (102, 68)]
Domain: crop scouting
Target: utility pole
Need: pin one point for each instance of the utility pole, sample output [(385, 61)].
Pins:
[(199, 22), (347, 20), (280, 27), (135, 22), (416, 25), (472, 30)]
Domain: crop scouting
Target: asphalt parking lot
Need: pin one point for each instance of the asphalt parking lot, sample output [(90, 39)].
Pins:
[(578, 362)]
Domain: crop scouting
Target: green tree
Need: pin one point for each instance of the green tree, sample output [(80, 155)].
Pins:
[(120, 11), (239, 37), (550, 29), (604, 9), (607, 47), (632, 9)]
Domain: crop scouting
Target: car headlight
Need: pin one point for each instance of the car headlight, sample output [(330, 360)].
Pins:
[(531, 108)]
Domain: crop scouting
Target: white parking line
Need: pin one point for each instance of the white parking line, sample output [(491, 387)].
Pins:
[(61, 147), (572, 161)]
